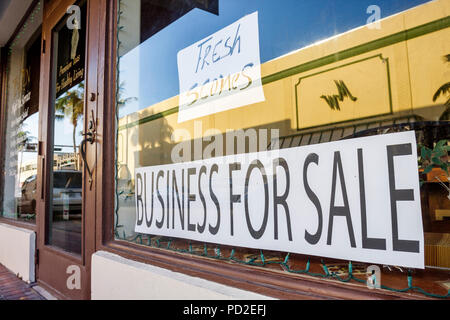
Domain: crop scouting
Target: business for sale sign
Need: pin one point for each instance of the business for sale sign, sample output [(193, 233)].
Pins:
[(355, 200)]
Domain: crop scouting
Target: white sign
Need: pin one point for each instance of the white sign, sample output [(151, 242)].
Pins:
[(221, 72), (355, 200)]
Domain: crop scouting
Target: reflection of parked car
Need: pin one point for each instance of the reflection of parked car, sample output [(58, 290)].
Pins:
[(67, 187), (67, 190)]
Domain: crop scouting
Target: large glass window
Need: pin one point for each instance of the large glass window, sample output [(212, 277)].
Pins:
[(204, 79), (20, 139)]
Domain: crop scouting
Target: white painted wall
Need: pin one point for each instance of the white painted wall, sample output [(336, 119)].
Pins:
[(114, 277), (17, 248)]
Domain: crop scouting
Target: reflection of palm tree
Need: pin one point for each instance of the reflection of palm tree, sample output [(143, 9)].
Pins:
[(120, 100), (23, 137), (444, 90), (71, 106)]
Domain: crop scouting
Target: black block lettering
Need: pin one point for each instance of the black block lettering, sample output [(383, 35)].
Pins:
[(215, 229), (399, 195), (190, 198), (281, 200), (234, 198), (160, 223), (339, 211), (201, 227), (367, 243), (257, 234), (312, 238)]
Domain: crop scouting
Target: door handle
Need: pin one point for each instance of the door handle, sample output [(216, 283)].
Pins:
[(89, 137)]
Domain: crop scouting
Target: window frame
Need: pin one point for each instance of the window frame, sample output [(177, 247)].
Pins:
[(3, 87), (276, 284)]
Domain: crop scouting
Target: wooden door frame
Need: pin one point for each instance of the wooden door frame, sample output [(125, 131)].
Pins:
[(51, 278), (268, 282)]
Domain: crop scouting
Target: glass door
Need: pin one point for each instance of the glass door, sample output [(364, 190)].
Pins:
[(66, 135), (67, 141)]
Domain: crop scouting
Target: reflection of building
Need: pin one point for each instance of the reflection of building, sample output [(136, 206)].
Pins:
[(67, 160), (62, 161), (353, 82), (27, 169)]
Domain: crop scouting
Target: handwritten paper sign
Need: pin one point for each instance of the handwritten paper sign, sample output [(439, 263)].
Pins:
[(221, 72), (355, 200)]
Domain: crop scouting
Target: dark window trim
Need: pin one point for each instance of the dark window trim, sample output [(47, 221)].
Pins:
[(277, 284), (19, 223), (3, 78)]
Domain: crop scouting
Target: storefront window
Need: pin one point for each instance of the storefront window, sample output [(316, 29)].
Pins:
[(199, 80), (18, 196)]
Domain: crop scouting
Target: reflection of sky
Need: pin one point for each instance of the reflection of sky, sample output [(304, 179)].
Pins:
[(63, 135), (150, 73), (31, 125), (64, 131)]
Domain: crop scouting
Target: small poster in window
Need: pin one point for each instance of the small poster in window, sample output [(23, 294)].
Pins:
[(221, 72)]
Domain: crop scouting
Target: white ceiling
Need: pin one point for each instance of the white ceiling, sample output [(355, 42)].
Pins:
[(11, 12)]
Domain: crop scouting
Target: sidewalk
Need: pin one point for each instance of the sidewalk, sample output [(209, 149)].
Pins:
[(12, 288)]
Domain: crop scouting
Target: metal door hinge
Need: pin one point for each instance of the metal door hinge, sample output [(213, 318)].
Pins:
[(40, 148), (36, 257)]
